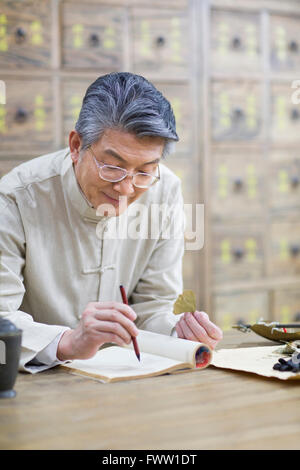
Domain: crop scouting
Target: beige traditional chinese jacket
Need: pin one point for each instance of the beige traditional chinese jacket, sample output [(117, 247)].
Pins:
[(57, 254)]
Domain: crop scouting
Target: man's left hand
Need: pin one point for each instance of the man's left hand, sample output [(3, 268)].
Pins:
[(198, 327)]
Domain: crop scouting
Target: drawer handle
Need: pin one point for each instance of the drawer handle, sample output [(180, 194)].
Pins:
[(238, 114), (21, 115), (94, 40), (238, 184), (295, 114), (160, 41), (295, 180), (236, 42), (238, 253), (293, 46), (20, 35), (295, 250)]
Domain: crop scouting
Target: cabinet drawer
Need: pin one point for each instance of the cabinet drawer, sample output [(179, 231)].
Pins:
[(235, 41), (25, 29), (237, 254), (285, 116), (236, 111), (73, 92), (160, 42), (286, 305), (93, 36), (237, 185), (285, 249), (246, 307), (7, 165), (284, 183), (180, 99), (185, 170), (285, 43), (26, 121)]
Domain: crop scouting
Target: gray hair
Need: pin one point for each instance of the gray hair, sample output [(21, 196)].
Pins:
[(127, 102)]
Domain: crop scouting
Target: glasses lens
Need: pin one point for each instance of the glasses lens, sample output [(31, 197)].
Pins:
[(111, 173), (142, 180)]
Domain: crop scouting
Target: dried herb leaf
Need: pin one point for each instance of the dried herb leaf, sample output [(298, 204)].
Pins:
[(186, 302)]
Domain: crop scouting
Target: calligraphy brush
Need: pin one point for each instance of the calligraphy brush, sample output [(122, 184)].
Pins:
[(134, 341)]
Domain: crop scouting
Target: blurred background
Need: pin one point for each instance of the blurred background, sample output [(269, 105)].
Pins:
[(230, 70)]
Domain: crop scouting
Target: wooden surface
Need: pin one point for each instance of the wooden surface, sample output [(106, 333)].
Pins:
[(227, 68), (209, 409)]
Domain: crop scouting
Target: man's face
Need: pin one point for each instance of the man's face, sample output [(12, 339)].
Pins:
[(120, 149)]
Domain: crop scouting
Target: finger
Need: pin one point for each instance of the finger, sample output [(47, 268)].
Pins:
[(123, 308), (213, 330), (198, 331), (116, 317), (179, 331), (111, 338), (188, 334), (113, 329)]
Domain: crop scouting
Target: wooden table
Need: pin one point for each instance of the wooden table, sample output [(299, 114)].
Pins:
[(208, 409)]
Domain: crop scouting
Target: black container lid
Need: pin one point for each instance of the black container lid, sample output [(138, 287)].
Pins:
[(7, 327)]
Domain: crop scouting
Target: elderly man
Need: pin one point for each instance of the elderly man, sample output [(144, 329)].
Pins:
[(60, 269)]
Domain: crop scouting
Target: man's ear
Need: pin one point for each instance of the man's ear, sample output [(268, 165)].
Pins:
[(75, 145)]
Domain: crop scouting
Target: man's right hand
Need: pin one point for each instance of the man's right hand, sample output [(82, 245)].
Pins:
[(101, 322)]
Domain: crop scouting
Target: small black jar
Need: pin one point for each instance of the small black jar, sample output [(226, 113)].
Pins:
[(10, 350)]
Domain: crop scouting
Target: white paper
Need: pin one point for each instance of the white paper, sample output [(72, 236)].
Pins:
[(259, 360)]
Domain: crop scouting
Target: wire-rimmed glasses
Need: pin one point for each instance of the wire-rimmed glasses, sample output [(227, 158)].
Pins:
[(115, 174)]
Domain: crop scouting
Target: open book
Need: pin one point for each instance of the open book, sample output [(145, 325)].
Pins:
[(160, 354)]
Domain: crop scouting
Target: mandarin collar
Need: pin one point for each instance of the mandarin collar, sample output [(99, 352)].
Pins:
[(76, 195)]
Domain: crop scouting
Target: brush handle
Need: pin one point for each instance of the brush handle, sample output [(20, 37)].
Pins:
[(134, 341)]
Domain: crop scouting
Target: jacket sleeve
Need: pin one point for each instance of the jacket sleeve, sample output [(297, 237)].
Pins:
[(35, 336), (161, 282)]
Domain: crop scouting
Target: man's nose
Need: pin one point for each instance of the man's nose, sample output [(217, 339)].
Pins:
[(125, 186)]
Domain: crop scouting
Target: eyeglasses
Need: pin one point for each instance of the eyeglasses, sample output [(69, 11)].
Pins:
[(114, 174)]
